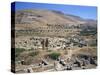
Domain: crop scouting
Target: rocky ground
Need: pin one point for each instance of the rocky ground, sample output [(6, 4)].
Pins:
[(60, 54)]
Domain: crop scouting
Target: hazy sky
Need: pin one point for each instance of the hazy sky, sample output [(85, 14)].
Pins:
[(87, 12)]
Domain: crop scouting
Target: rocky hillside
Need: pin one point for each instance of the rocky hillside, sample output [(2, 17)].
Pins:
[(50, 22), (36, 18)]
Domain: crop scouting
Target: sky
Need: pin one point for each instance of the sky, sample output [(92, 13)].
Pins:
[(86, 12)]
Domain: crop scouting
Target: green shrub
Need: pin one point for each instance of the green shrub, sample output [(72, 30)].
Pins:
[(54, 55), (18, 51)]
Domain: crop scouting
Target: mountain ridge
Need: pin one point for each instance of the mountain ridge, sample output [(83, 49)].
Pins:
[(40, 17)]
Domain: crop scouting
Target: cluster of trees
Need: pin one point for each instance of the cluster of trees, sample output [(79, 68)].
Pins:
[(88, 31)]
